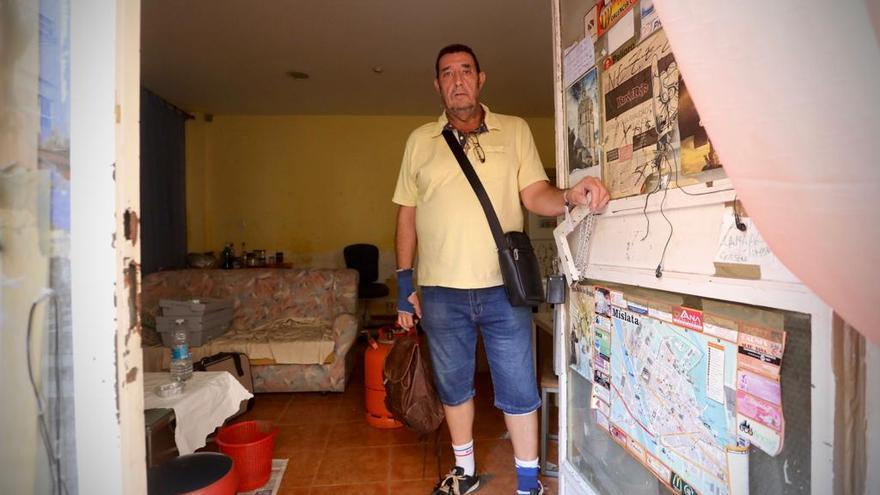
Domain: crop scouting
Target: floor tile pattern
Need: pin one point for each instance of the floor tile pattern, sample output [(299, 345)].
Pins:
[(332, 450)]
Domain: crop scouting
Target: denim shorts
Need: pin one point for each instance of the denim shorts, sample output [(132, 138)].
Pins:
[(450, 318)]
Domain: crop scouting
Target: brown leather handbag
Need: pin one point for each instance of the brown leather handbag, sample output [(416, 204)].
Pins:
[(409, 386)]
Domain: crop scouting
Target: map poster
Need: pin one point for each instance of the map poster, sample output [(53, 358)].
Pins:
[(697, 152), (640, 94), (582, 127), (670, 405), (580, 338)]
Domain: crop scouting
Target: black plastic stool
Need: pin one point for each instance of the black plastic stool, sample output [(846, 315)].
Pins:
[(203, 473)]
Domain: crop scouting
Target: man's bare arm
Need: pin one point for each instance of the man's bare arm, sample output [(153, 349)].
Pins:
[(405, 240), (548, 200)]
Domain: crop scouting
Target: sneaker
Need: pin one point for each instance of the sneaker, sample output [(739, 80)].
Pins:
[(457, 483), (537, 491)]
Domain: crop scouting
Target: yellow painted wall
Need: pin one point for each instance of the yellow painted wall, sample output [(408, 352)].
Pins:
[(305, 185)]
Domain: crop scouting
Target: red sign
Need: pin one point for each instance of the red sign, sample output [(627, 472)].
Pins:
[(688, 318), (613, 12)]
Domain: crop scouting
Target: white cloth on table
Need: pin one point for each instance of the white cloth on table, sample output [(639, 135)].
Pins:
[(208, 398)]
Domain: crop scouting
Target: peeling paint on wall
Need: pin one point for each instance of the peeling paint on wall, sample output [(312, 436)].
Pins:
[(131, 224), (131, 376)]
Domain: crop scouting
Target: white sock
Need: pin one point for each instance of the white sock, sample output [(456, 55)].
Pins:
[(464, 457)]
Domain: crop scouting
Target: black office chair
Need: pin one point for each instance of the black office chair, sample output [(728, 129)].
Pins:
[(365, 259)]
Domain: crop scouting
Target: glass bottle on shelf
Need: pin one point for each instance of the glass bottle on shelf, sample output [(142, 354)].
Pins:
[(228, 257)]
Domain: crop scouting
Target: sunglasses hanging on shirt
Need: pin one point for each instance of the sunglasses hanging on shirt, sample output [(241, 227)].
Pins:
[(472, 139)]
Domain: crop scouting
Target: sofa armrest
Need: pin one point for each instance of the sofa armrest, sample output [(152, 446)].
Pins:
[(345, 328)]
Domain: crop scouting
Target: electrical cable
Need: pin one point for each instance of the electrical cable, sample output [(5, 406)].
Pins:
[(657, 168), (659, 272), (663, 149), (58, 485)]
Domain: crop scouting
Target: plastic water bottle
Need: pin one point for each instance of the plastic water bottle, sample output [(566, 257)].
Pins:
[(181, 359)]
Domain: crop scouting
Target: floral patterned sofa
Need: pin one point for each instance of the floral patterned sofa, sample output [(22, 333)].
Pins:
[(296, 325)]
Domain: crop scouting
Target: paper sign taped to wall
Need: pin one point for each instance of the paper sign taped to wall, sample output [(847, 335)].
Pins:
[(748, 248), (577, 60)]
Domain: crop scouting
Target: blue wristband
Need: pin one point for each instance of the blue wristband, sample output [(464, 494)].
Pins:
[(404, 290)]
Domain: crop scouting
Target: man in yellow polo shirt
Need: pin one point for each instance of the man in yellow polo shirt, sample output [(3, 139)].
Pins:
[(458, 270)]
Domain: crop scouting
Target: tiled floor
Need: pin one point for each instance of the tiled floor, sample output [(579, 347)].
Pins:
[(332, 450)]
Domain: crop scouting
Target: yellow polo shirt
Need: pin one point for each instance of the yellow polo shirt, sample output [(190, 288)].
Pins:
[(455, 245)]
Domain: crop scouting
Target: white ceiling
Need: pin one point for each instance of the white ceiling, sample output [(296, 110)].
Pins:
[(232, 56)]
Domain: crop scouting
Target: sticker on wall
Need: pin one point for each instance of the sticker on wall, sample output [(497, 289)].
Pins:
[(689, 318), (650, 20), (601, 379), (763, 437), (591, 24), (601, 363), (622, 36), (660, 469), (761, 411), (640, 307), (720, 327), (603, 300), (759, 386), (612, 12), (602, 323), (761, 349), (618, 435)]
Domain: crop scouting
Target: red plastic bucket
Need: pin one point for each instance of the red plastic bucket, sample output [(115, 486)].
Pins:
[(250, 445)]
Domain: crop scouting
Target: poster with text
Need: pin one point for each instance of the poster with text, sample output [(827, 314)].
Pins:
[(582, 127), (640, 111)]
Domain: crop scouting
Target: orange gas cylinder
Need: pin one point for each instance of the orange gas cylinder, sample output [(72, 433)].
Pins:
[(374, 363)]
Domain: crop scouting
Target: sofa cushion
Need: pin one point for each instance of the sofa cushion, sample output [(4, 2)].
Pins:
[(285, 341), (294, 344)]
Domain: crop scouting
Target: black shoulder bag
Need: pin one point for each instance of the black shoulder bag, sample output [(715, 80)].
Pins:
[(519, 265)]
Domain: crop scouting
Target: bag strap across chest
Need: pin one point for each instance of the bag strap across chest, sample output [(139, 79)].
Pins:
[(474, 180)]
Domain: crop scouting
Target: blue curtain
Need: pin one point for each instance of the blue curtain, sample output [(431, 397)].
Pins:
[(163, 185)]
